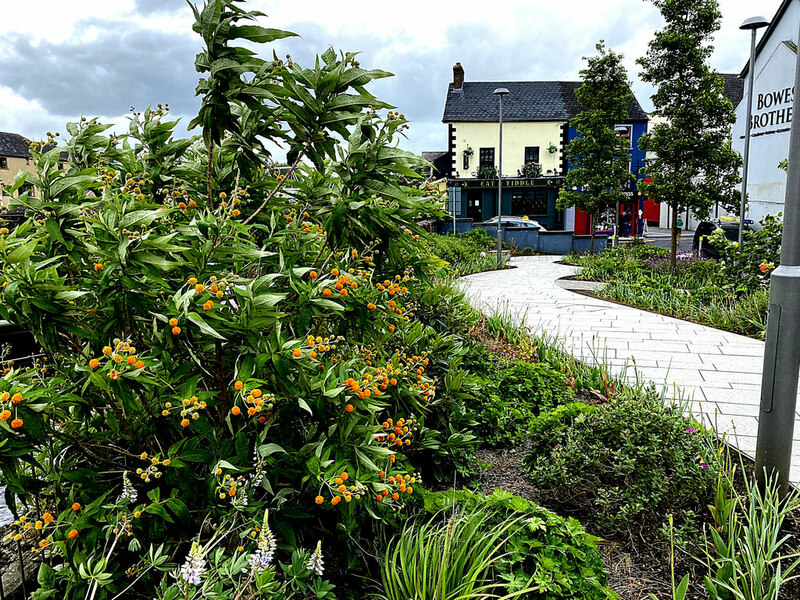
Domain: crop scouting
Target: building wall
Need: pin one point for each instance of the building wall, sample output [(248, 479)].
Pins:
[(8, 175), (581, 220), (773, 95), (516, 136)]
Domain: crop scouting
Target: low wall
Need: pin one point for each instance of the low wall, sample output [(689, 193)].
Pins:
[(546, 242), (462, 226)]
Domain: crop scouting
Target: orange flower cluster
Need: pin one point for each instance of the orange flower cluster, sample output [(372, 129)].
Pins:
[(230, 207), (256, 402), (8, 407), (396, 485), (18, 528), (121, 357), (151, 470), (229, 486), (341, 490), (189, 409), (177, 197), (397, 435)]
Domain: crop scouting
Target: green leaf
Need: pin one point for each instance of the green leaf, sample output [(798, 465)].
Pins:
[(260, 35), (204, 327)]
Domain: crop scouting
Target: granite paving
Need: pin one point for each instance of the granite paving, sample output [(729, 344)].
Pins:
[(716, 373)]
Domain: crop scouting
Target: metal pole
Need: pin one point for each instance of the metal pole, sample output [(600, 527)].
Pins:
[(782, 352), (500, 192), (746, 157)]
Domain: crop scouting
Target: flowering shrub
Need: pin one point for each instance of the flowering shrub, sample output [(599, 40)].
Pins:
[(220, 335), (747, 268)]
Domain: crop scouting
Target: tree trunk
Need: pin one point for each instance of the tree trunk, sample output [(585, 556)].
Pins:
[(673, 249), (591, 233)]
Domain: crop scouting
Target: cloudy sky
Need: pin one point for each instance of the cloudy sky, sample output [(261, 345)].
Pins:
[(60, 60)]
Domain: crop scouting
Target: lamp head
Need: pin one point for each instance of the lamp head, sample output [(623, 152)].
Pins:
[(754, 23), (501, 91)]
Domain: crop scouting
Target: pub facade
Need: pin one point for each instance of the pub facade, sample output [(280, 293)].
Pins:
[(536, 131)]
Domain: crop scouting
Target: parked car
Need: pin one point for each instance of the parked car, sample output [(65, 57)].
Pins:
[(516, 222), (729, 228)]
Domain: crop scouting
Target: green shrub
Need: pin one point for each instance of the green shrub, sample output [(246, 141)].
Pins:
[(551, 555), (626, 463), (511, 397)]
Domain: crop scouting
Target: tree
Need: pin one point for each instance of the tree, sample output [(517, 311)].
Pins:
[(694, 166), (599, 157)]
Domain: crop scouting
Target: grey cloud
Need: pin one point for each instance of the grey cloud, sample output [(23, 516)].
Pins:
[(123, 66), (148, 7)]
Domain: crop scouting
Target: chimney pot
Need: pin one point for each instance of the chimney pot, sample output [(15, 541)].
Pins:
[(458, 76)]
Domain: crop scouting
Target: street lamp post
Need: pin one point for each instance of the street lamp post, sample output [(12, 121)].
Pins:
[(781, 351), (753, 23), (500, 92)]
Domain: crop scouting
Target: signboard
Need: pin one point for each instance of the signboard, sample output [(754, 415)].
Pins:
[(509, 183)]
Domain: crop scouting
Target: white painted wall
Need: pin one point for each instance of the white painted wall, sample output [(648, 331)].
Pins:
[(772, 106)]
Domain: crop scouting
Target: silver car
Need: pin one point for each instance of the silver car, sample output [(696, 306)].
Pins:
[(516, 222)]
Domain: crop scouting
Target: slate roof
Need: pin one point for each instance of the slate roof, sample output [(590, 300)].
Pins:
[(440, 160), (526, 101), (734, 88), (13, 144)]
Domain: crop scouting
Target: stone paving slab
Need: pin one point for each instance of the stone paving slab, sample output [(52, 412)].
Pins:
[(717, 372)]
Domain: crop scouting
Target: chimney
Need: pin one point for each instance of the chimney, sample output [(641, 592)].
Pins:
[(458, 76)]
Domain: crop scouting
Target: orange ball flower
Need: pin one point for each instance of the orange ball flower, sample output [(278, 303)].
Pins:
[(94, 363), (297, 353), (176, 330), (343, 292), (327, 293), (47, 518), (76, 506), (185, 423), (139, 364), (199, 288), (208, 305), (73, 533), (16, 423), (319, 500), (335, 272), (349, 408), (173, 322), (236, 410), (313, 275), (238, 386), (16, 398), (335, 500)]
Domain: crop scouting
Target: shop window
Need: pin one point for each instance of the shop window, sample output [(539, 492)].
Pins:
[(3, 162), (531, 203), (486, 156), (531, 154)]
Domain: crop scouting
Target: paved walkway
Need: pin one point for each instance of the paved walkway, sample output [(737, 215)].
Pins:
[(716, 371)]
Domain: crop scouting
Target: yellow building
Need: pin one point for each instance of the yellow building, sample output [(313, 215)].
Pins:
[(536, 130), (15, 156)]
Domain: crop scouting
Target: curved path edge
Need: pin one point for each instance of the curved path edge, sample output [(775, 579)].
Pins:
[(715, 372)]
